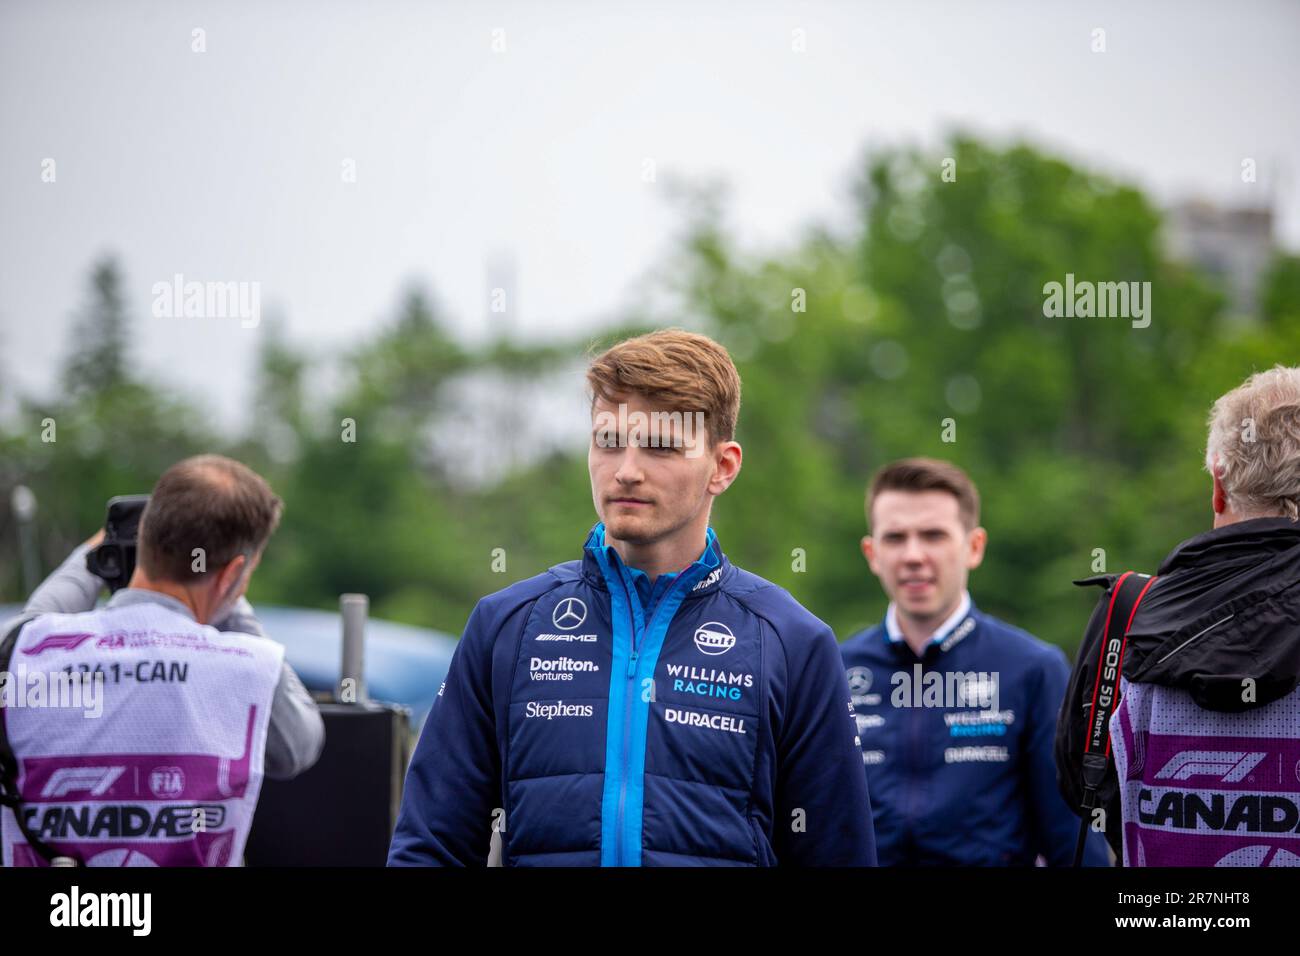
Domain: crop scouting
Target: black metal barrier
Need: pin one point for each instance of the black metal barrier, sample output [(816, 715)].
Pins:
[(343, 810)]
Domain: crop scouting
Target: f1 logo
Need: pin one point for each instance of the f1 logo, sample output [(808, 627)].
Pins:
[(93, 780), (1228, 766)]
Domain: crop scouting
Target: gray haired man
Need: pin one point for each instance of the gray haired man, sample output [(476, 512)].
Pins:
[(1206, 734)]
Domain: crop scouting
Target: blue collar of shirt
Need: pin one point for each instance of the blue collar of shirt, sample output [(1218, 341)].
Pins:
[(649, 594)]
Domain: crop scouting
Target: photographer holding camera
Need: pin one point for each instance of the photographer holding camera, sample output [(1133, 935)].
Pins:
[(196, 703)]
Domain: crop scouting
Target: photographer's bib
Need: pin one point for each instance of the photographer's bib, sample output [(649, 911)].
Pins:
[(140, 735), (1205, 788)]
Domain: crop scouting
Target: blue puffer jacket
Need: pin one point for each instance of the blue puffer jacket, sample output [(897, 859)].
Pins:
[(596, 720)]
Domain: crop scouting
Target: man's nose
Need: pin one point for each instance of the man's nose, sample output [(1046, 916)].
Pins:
[(629, 466), (913, 553)]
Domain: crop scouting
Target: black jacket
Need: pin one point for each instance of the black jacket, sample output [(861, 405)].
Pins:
[(1225, 607)]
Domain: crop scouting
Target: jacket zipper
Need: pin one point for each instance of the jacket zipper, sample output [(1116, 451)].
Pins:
[(627, 733), (914, 761), (627, 705)]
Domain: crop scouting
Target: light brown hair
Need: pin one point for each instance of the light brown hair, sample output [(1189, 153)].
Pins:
[(209, 502), (682, 371)]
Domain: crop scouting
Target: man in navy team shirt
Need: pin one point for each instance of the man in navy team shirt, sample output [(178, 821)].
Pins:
[(956, 710)]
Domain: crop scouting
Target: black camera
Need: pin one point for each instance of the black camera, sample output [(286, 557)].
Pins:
[(113, 560)]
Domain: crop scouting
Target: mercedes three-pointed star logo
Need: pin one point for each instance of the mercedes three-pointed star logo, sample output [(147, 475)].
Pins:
[(569, 613), (859, 680)]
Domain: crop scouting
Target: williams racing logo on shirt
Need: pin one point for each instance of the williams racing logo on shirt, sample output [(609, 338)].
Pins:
[(978, 723), (709, 682)]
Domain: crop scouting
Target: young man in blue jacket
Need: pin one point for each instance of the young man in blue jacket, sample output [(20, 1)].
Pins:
[(650, 704), (956, 710)]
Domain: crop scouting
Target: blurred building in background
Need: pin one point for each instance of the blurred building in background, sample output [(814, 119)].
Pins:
[(1234, 244)]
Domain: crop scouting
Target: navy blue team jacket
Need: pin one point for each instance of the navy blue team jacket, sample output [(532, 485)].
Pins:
[(593, 719), (964, 785)]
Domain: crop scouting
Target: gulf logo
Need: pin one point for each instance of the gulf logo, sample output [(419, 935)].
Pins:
[(714, 639)]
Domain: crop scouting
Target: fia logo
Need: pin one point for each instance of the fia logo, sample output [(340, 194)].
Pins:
[(167, 782)]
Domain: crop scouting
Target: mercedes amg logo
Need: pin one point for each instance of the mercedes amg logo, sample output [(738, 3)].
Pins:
[(569, 613), (859, 681)]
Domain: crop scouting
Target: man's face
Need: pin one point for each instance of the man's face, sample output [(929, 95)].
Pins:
[(921, 551), (649, 482)]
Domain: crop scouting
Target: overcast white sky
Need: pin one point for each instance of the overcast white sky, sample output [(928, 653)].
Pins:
[(226, 164)]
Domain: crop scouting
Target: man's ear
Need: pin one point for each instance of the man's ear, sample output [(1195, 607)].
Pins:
[(228, 576), (1219, 497), (726, 466), (979, 538), (869, 552)]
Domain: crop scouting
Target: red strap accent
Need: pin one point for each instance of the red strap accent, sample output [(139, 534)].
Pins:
[(1101, 655), (1124, 643)]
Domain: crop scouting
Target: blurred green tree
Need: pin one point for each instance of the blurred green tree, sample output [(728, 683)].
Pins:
[(106, 432)]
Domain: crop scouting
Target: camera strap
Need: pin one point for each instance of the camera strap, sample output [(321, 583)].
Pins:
[(10, 796), (1125, 597)]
